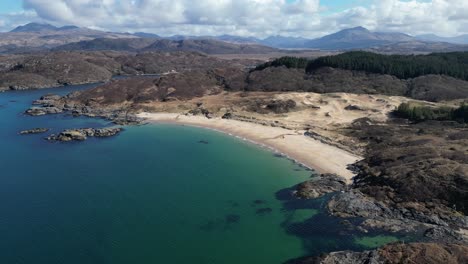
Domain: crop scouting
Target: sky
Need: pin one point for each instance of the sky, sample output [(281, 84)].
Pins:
[(258, 18)]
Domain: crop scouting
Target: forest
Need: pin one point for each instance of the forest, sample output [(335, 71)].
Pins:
[(288, 62), (454, 64), (419, 113)]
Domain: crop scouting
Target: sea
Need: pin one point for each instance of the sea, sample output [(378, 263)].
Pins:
[(156, 193)]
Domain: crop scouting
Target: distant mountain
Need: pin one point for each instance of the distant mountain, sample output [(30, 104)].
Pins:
[(356, 38), (68, 28), (34, 27), (146, 35), (237, 39), (38, 28), (418, 47), (285, 42), (462, 39), (34, 37)]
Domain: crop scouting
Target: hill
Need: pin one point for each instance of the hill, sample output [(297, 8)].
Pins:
[(356, 38), (207, 46), (42, 37)]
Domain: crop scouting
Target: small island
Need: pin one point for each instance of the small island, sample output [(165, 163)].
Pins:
[(83, 134), (34, 131)]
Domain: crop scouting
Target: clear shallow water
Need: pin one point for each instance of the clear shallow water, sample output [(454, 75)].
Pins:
[(154, 194)]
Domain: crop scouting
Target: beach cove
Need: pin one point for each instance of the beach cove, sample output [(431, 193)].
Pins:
[(154, 193)]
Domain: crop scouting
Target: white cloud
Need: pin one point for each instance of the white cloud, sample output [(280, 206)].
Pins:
[(248, 17)]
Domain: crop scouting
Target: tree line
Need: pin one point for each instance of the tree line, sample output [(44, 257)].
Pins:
[(454, 64), (422, 113), (289, 62)]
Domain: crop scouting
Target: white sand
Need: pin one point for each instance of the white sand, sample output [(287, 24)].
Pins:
[(310, 152)]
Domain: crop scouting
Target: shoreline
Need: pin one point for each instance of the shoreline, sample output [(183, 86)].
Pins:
[(308, 152)]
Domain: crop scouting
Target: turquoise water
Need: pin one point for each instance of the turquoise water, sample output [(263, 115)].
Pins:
[(154, 194)]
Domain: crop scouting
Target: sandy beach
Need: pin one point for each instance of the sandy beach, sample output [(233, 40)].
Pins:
[(310, 152)]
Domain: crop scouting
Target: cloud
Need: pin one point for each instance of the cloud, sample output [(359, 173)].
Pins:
[(248, 17)]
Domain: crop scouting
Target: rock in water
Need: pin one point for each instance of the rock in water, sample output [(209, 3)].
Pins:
[(34, 131), (38, 111), (317, 187), (83, 134)]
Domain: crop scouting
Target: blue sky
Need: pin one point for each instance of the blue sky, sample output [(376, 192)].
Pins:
[(7, 6), (259, 18)]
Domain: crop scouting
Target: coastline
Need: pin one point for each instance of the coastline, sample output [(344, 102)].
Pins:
[(309, 152)]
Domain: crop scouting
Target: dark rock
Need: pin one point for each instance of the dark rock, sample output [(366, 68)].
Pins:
[(354, 108), (83, 134), (356, 204), (263, 211), (275, 106), (227, 116), (34, 131), (281, 106), (319, 186)]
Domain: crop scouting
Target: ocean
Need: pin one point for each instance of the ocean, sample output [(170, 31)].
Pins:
[(159, 193)]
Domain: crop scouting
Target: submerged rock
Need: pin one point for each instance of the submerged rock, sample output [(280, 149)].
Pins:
[(34, 131), (263, 211), (83, 134), (232, 218)]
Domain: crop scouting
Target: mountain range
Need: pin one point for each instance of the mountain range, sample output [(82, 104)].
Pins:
[(38, 37), (462, 39)]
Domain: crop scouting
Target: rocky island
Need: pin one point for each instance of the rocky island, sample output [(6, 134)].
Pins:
[(83, 134)]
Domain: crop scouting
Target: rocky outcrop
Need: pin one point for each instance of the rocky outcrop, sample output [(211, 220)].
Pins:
[(38, 111), (415, 253), (47, 100), (83, 134), (34, 131), (272, 106), (413, 179), (319, 186), (421, 167)]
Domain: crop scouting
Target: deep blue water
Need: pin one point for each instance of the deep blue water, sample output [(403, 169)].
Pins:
[(154, 194)]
